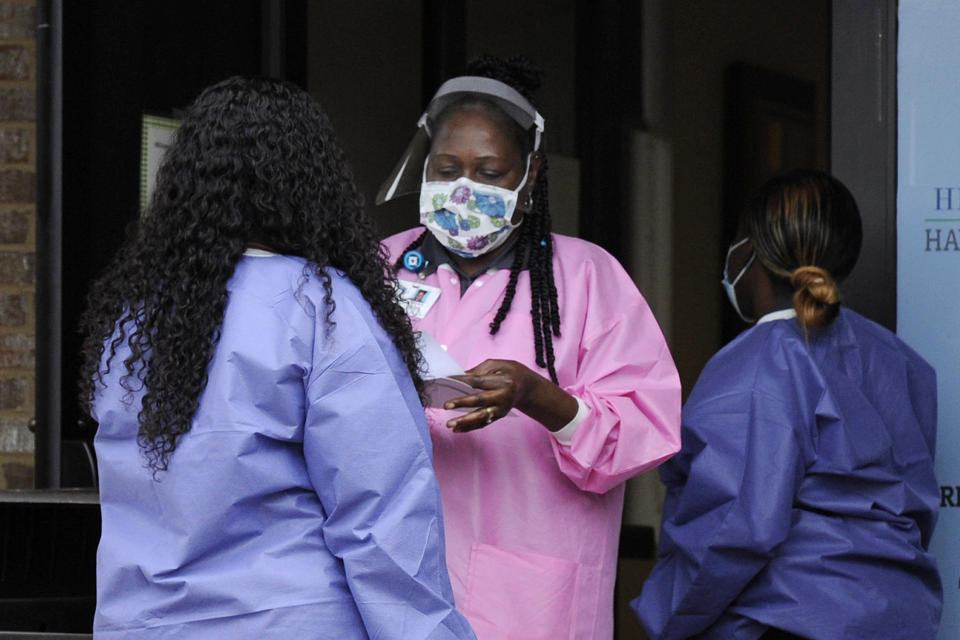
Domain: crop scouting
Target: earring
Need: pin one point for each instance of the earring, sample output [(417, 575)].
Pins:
[(527, 204)]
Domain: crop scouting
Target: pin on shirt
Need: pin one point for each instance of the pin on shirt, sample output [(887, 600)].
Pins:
[(414, 261)]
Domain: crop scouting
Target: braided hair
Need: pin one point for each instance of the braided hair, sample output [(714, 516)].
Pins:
[(534, 248)]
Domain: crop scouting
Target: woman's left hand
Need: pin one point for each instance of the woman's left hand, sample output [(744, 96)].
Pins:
[(507, 384)]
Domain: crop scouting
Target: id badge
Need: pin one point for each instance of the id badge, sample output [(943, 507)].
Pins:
[(417, 298)]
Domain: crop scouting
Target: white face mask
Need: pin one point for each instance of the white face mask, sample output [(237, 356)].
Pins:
[(729, 287), (467, 217)]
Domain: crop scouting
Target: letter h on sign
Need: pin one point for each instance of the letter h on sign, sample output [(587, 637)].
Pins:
[(945, 198)]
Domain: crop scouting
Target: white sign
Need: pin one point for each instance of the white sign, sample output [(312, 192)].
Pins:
[(156, 137), (928, 246)]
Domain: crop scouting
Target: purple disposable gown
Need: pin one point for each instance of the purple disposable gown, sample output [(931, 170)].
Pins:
[(804, 497), (300, 504), (533, 524)]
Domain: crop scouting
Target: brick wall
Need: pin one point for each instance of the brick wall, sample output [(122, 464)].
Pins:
[(18, 157)]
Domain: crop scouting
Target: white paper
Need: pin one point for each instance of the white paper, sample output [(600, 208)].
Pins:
[(441, 366), (440, 390), (439, 363)]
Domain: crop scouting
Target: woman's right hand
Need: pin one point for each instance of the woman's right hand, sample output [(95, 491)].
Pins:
[(507, 384)]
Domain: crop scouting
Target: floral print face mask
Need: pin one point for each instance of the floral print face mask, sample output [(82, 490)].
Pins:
[(467, 217)]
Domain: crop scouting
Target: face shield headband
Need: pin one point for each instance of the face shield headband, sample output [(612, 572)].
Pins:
[(406, 176)]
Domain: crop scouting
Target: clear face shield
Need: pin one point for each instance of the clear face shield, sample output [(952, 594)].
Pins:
[(407, 176)]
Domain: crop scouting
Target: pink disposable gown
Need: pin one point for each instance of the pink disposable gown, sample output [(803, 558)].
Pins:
[(532, 525)]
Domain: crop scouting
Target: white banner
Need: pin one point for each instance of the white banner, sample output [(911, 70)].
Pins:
[(928, 245)]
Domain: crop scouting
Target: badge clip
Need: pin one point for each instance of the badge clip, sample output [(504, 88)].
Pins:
[(414, 261)]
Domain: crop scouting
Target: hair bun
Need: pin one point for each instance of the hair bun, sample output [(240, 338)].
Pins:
[(816, 297)]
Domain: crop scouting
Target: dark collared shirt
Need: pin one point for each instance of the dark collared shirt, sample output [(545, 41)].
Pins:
[(435, 255)]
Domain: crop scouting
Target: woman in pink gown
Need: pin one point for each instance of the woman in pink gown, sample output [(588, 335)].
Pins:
[(532, 465)]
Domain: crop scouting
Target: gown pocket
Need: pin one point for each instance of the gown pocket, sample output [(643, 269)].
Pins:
[(516, 595)]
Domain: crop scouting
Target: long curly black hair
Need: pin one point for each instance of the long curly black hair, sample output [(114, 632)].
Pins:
[(534, 248), (255, 161)]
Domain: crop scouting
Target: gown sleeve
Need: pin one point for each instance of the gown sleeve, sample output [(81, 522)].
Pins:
[(628, 381), (368, 457), (728, 507)]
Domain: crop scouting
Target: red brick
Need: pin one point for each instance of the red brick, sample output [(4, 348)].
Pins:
[(13, 310), (15, 61), (17, 268), (18, 103), (16, 20), (17, 186), (15, 145), (17, 351), (13, 393), (14, 227)]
